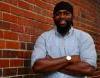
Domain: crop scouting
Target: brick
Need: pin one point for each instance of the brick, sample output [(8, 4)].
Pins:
[(0, 53), (17, 77), (20, 54), (23, 46), (16, 28), (24, 38), (17, 11), (76, 11), (23, 71), (2, 44), (29, 46), (31, 76), (4, 63), (9, 54), (30, 1), (23, 4), (76, 2), (10, 35), (25, 22), (16, 63), (38, 9), (47, 13), (12, 2), (4, 25), (22, 21), (12, 45), (33, 39), (10, 18), (43, 5), (0, 72), (27, 54), (1, 34), (1, 17), (4, 7), (27, 63), (50, 1), (9, 72), (24, 54)]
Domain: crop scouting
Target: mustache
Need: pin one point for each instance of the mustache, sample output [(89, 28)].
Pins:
[(64, 22)]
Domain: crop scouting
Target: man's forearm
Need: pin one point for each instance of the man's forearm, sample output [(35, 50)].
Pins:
[(49, 65), (81, 68)]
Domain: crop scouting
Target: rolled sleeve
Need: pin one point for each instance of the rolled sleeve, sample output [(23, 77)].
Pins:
[(39, 50), (88, 52)]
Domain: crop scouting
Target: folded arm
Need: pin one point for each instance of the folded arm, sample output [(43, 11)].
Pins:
[(79, 69), (49, 64)]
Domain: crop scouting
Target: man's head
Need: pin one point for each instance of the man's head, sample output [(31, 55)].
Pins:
[(63, 17)]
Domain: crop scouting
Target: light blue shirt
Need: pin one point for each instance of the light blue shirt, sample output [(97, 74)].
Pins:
[(76, 42)]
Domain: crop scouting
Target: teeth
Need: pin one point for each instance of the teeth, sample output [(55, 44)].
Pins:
[(63, 22)]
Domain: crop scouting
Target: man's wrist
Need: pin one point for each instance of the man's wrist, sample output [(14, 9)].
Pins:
[(68, 58)]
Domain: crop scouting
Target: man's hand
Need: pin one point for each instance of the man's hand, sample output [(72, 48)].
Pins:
[(75, 59)]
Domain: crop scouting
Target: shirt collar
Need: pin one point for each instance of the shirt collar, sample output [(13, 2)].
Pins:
[(67, 34)]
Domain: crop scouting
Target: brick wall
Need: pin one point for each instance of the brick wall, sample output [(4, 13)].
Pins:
[(22, 21)]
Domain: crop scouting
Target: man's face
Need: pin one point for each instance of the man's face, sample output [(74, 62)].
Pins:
[(63, 21)]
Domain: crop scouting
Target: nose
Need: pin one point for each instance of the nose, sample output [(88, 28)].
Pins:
[(62, 15)]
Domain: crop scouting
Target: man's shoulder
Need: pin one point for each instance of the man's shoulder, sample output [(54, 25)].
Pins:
[(47, 33), (82, 34)]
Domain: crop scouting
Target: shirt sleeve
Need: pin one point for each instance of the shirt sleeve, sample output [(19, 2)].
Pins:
[(87, 50), (39, 50)]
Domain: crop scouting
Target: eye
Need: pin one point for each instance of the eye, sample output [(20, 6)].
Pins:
[(57, 14), (67, 13)]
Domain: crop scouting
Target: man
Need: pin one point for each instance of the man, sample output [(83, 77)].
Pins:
[(64, 52)]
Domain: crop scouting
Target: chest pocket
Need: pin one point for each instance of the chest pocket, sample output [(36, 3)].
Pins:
[(72, 47), (53, 49)]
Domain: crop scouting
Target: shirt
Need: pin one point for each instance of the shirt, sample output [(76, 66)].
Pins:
[(76, 42)]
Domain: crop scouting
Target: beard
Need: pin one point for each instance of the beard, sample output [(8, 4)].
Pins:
[(63, 26)]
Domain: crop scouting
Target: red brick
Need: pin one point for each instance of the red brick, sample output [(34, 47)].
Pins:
[(76, 2), (24, 54), (23, 70), (43, 5), (2, 44), (17, 11), (4, 7), (30, 1), (16, 63), (9, 72), (27, 54), (14, 2), (20, 54), (12, 45), (25, 22), (0, 72), (16, 28), (21, 21), (10, 35), (76, 11), (4, 25), (1, 53), (4, 63), (23, 37), (47, 13), (50, 1), (23, 4), (1, 34), (1, 17), (9, 54), (10, 18)]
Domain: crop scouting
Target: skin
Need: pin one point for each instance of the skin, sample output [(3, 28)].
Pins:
[(74, 67)]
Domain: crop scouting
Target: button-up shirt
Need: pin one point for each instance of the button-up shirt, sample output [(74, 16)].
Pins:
[(76, 42)]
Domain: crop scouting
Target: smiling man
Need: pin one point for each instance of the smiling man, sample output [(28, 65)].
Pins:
[(64, 52)]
